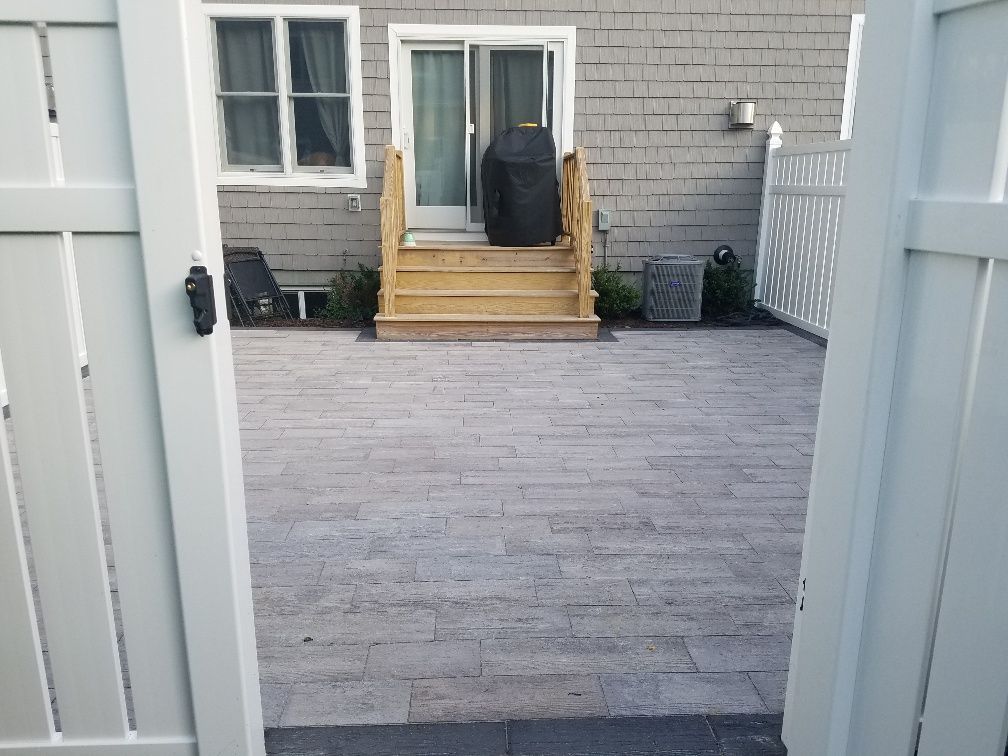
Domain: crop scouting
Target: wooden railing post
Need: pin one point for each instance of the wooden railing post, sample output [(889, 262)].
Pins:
[(576, 212), (392, 206)]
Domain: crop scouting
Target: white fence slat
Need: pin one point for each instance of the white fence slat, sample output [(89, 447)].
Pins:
[(51, 430), (924, 431), (136, 489), (88, 74), (25, 712), (25, 157), (968, 686)]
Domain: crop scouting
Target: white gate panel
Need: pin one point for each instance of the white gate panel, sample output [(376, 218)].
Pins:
[(803, 204), (902, 622), (132, 188)]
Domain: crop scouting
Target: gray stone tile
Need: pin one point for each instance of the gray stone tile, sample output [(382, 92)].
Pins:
[(502, 622), (302, 599), (407, 661), (585, 592), (448, 592), (286, 574), (325, 628), (772, 687), (274, 699), (629, 621), (740, 653), (546, 656), (490, 698), (311, 662), (487, 567), (680, 693), (347, 703), (368, 571), (643, 566)]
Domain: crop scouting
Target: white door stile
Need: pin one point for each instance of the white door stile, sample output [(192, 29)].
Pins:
[(161, 43)]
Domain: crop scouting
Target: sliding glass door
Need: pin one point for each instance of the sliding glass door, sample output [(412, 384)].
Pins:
[(455, 98)]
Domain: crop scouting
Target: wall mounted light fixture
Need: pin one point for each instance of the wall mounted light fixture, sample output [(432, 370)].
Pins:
[(742, 114)]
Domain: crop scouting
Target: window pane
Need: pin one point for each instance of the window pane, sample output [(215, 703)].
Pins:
[(322, 131), (439, 127), (318, 56), (245, 55), (251, 131)]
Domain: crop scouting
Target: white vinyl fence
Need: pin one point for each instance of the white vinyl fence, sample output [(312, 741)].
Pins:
[(800, 221), (68, 251)]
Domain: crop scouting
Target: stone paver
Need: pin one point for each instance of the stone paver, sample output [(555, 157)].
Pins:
[(478, 531)]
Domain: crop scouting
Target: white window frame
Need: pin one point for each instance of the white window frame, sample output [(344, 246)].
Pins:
[(290, 175), (850, 86)]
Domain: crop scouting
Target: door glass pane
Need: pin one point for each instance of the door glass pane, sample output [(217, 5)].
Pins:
[(245, 55), (322, 131), (439, 127), (516, 88), (476, 147), (318, 56)]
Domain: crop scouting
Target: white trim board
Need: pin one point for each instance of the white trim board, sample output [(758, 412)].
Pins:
[(850, 85), (399, 33), (355, 179)]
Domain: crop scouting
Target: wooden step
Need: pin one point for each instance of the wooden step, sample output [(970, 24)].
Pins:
[(472, 256), (487, 301), (524, 278), (466, 327)]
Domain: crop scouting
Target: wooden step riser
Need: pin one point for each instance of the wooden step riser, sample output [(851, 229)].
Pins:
[(495, 258), (406, 331), (516, 305), (516, 280)]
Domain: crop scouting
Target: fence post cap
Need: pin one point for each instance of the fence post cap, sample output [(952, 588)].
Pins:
[(774, 135)]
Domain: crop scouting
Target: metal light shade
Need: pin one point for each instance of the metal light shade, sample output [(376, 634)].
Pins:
[(742, 114)]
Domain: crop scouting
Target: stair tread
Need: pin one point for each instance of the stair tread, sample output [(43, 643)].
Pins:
[(461, 247), (484, 318), (485, 269), (486, 292)]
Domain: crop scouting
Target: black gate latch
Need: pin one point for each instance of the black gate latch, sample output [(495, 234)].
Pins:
[(199, 287)]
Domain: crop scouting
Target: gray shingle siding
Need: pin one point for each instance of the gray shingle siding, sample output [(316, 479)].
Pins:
[(653, 81)]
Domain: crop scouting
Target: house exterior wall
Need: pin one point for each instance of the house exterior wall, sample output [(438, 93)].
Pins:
[(653, 82)]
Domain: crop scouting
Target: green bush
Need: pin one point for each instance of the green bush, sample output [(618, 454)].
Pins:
[(353, 295), (727, 290), (617, 298)]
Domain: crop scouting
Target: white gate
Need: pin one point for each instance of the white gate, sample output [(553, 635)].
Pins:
[(800, 220), (139, 199), (903, 612)]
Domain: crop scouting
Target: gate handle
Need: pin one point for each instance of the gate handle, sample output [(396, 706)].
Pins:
[(199, 287)]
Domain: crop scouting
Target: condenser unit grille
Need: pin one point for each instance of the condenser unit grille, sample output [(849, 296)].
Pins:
[(673, 285)]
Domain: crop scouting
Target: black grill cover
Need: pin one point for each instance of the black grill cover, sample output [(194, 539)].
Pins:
[(521, 195)]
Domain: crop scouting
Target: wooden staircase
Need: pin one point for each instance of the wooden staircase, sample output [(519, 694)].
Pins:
[(445, 291)]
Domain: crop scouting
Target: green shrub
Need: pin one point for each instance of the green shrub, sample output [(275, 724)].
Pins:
[(727, 290), (353, 295), (617, 297)]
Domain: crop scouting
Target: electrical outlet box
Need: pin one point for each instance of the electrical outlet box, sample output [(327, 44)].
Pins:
[(603, 220), (353, 203)]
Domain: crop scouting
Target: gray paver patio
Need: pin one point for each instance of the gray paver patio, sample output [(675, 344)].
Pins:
[(477, 531)]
